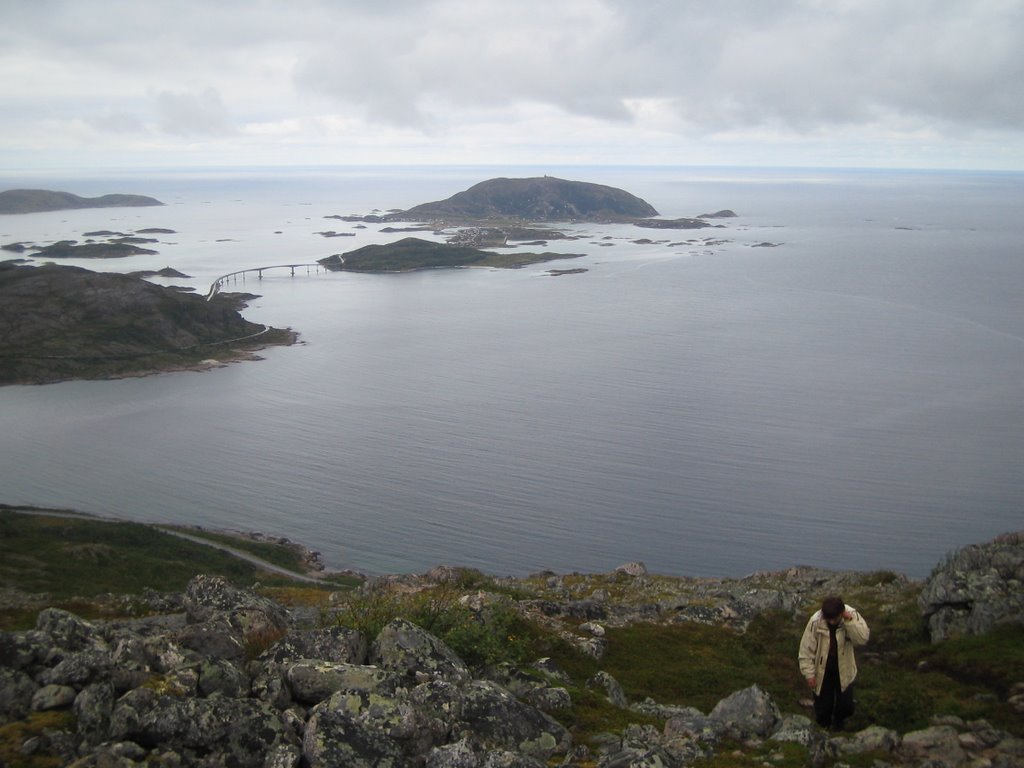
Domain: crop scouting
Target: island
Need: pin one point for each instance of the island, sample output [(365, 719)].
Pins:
[(543, 198), (62, 322), (70, 249), (496, 210), (41, 200), (412, 253)]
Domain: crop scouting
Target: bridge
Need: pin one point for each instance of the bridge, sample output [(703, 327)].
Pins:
[(220, 281)]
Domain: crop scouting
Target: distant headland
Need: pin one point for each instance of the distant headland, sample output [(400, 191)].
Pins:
[(41, 200), (70, 323)]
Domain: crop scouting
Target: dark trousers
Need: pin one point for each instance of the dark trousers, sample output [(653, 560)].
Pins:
[(832, 706)]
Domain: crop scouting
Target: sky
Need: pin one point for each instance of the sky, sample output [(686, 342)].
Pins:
[(810, 83)]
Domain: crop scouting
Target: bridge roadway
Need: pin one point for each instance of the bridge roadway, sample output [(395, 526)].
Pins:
[(215, 288)]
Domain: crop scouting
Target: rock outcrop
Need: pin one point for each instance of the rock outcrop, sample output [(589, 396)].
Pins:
[(976, 588), (234, 680)]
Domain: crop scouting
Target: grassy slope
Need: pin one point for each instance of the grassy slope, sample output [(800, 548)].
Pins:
[(68, 558)]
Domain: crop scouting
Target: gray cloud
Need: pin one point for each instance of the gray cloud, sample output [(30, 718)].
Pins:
[(192, 114), (787, 67)]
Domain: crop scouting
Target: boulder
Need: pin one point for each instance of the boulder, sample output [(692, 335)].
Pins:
[(257, 618), (746, 713), (221, 677), (78, 669), (240, 732), (92, 708), (409, 650), (16, 692), (53, 697), (67, 631), (874, 738), (331, 644), (214, 639), (359, 728), (313, 681), (976, 588), (939, 745), (612, 690), (497, 718), (632, 569)]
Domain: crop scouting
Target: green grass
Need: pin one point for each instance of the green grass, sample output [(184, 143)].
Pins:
[(80, 557), (280, 555), (497, 634)]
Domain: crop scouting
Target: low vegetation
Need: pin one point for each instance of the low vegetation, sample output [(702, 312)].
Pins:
[(72, 561), (905, 681)]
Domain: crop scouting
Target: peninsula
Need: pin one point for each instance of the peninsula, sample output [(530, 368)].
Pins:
[(63, 322), (40, 200)]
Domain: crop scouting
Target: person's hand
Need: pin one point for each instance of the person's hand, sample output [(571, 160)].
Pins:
[(811, 682)]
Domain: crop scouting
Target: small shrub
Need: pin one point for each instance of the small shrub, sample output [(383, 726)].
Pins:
[(13, 735), (498, 633)]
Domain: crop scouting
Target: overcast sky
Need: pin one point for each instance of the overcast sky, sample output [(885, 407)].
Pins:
[(874, 83)]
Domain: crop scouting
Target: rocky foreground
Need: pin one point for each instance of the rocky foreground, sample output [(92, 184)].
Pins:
[(221, 676)]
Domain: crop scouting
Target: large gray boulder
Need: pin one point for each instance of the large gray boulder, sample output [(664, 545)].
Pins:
[(976, 588), (68, 631), (362, 729), (16, 692), (311, 681), (410, 650), (746, 713), (499, 719), (939, 745), (240, 732), (329, 644), (208, 597)]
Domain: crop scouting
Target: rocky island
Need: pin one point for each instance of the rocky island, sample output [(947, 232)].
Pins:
[(40, 200), (62, 322), (412, 253), (538, 199), (496, 212), (456, 669)]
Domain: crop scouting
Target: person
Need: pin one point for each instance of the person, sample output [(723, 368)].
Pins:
[(827, 660)]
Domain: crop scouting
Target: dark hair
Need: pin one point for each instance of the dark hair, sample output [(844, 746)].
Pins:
[(832, 607)]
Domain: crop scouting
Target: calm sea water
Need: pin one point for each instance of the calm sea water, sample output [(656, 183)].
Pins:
[(850, 398)]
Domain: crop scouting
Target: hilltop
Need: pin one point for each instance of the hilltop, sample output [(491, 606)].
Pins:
[(40, 200), (62, 322), (543, 198)]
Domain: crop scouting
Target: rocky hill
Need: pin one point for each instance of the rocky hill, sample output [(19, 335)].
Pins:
[(39, 200), (221, 675), (543, 198), (61, 322)]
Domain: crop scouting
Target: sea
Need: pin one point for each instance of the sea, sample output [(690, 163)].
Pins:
[(834, 377)]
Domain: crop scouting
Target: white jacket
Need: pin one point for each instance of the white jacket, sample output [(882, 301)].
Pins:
[(814, 647)]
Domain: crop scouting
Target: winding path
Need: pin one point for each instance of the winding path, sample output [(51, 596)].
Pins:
[(240, 554)]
